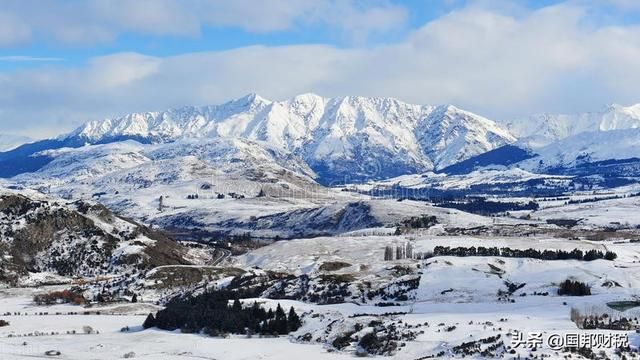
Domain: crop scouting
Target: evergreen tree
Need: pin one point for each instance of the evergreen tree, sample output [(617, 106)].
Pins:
[(293, 320), (134, 299), (237, 306), (149, 322), (280, 322)]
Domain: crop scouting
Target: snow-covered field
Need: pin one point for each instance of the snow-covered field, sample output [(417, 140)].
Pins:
[(456, 302), (597, 214), (29, 335)]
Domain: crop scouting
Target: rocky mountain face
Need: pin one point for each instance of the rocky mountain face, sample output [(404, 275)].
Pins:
[(42, 235)]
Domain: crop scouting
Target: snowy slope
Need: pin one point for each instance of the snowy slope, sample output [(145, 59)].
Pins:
[(354, 137), (234, 179), (71, 165), (462, 181), (568, 144), (586, 148), (543, 129), (218, 185), (95, 161)]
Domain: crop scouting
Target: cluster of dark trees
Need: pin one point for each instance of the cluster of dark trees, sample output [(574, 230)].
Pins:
[(606, 322), (486, 207), (594, 199), (471, 348), (575, 254), (333, 289), (574, 288), (236, 195), (383, 340), (420, 222), (567, 223), (211, 313), (192, 196)]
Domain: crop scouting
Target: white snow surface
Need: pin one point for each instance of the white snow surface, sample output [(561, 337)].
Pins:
[(543, 129), (586, 147)]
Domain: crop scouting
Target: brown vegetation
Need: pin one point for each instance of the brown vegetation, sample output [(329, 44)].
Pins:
[(60, 297)]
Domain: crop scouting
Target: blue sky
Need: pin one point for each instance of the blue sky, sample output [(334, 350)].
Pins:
[(66, 62), (211, 37), (215, 38)]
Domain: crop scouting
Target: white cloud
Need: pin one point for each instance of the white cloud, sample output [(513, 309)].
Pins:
[(488, 61), (86, 22), (13, 30)]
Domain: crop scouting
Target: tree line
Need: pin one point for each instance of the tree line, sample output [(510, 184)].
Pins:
[(575, 254), (483, 206)]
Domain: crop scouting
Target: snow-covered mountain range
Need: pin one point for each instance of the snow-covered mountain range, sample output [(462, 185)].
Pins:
[(568, 144), (341, 139), (619, 147), (544, 129)]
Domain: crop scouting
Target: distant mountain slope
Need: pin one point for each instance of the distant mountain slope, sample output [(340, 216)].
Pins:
[(502, 157), (341, 139), (543, 129), (613, 152), (189, 174), (78, 165), (218, 187)]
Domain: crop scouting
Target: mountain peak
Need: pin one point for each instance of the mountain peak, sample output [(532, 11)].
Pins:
[(307, 97), (250, 99), (631, 110), (448, 109)]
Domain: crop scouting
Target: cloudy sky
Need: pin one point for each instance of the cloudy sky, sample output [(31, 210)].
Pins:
[(66, 62)]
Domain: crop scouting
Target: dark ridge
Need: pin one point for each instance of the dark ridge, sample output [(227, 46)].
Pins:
[(504, 155)]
